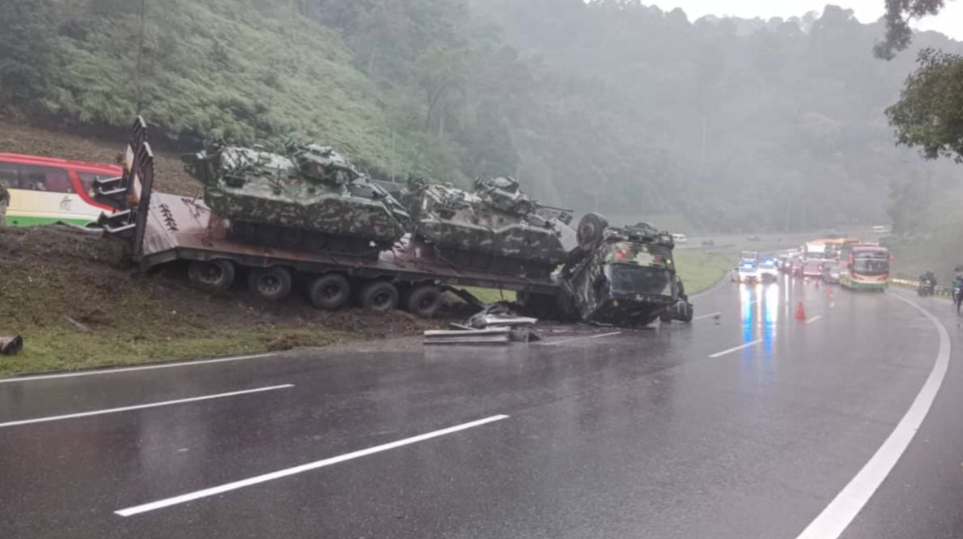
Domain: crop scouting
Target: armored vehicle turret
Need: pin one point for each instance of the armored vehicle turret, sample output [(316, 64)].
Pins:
[(495, 228), (310, 197)]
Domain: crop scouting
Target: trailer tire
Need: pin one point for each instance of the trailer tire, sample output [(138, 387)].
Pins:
[(329, 292), (424, 301), (379, 296), (216, 275), (272, 284)]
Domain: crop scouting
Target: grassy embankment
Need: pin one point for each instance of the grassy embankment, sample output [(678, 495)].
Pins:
[(77, 307), (699, 270)]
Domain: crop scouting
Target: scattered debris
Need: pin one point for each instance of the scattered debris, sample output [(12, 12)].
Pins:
[(494, 324), (498, 314), (500, 335), (10, 346)]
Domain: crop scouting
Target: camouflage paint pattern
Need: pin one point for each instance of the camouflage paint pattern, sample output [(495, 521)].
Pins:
[(312, 189), (497, 219)]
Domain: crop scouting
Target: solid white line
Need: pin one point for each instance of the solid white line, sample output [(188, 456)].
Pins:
[(142, 406), (706, 316), (129, 369), (184, 498), (813, 319), (840, 512), (566, 341), (736, 349)]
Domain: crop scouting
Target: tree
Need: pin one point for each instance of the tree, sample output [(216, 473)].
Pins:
[(27, 47), (898, 32), (929, 113)]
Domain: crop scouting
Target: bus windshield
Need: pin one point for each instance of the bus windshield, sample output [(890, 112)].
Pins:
[(871, 263)]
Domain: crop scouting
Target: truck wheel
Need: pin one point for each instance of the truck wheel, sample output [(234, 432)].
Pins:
[(424, 301), (272, 284), (216, 275), (379, 296), (590, 231), (329, 292), (688, 312)]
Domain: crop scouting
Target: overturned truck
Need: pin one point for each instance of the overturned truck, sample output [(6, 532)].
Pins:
[(310, 221)]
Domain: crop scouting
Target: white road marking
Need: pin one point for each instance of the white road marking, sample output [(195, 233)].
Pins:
[(184, 498), (566, 341), (706, 316), (736, 348), (840, 512), (813, 319), (129, 369), (142, 406)]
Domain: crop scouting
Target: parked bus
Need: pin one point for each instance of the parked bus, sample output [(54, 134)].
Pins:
[(44, 190), (864, 266)]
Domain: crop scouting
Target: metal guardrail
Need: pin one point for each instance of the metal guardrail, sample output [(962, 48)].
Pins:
[(942, 291)]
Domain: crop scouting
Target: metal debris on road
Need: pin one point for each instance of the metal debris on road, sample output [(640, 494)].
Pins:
[(494, 324), (500, 335)]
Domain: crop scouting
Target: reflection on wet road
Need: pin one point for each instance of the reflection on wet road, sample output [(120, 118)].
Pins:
[(744, 424)]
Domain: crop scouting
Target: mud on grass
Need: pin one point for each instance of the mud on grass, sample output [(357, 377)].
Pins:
[(78, 305)]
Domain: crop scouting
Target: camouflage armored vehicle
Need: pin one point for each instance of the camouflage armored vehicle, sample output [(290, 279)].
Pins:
[(310, 198), (622, 276), (495, 228)]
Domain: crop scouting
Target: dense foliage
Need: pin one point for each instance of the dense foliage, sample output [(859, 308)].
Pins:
[(608, 105), (898, 31)]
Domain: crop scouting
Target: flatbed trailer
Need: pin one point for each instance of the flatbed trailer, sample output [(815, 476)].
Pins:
[(178, 228), (159, 228)]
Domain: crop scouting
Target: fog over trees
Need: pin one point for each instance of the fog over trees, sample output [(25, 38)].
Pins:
[(610, 106)]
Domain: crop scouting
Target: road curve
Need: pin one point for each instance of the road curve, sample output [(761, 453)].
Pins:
[(746, 424)]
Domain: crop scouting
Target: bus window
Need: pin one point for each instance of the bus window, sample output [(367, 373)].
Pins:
[(49, 179), (8, 175)]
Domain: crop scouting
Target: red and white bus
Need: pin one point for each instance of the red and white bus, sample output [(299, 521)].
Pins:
[(864, 266), (46, 190)]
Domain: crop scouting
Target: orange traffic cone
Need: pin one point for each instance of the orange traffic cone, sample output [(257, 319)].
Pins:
[(800, 312)]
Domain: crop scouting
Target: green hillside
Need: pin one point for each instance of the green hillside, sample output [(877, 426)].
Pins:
[(608, 106)]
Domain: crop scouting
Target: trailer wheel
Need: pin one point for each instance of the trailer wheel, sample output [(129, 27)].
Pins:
[(424, 301), (590, 231), (216, 275), (272, 284), (379, 296), (329, 292)]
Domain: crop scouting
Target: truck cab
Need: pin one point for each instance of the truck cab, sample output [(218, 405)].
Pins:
[(628, 278)]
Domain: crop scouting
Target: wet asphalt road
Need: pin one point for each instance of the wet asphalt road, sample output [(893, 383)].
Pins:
[(655, 433)]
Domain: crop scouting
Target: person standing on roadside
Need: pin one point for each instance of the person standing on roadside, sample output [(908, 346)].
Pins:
[(4, 202)]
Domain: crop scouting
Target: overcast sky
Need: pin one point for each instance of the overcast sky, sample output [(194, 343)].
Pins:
[(950, 21)]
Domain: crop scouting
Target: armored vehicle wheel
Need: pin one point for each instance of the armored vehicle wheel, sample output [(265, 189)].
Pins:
[(290, 237), (424, 301), (216, 275), (272, 284), (329, 292), (379, 296), (590, 230)]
